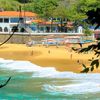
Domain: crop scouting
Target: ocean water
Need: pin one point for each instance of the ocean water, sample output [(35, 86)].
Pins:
[(32, 82)]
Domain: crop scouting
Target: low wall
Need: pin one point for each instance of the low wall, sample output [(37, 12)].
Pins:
[(24, 38), (19, 38)]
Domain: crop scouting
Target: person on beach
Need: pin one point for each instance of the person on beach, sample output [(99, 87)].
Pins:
[(71, 55), (32, 53), (49, 51)]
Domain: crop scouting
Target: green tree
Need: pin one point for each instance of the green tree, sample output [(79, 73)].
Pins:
[(6, 5), (80, 12), (28, 6), (65, 9), (24, 1), (45, 8), (86, 5)]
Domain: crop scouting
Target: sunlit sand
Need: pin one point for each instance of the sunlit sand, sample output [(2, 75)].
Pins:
[(61, 58)]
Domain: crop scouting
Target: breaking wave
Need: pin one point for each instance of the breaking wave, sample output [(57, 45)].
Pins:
[(86, 83)]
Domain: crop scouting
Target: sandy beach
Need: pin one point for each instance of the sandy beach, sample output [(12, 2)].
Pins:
[(61, 58)]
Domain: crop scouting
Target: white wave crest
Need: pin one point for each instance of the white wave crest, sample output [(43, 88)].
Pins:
[(79, 88), (86, 83), (49, 72)]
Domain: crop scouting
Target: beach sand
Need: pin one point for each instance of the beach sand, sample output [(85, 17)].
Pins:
[(61, 58)]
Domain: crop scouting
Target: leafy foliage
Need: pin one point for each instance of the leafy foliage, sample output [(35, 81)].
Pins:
[(6, 5), (94, 17), (45, 7), (94, 61)]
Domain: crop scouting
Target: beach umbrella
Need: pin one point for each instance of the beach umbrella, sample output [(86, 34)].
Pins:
[(66, 41), (50, 39)]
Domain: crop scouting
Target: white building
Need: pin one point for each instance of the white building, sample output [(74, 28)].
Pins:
[(9, 19), (80, 29)]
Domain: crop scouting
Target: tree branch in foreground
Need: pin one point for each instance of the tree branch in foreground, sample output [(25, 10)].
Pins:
[(94, 62), (2, 85)]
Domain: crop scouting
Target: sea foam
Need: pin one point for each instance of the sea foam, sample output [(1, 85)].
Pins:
[(86, 83), (49, 72), (69, 89)]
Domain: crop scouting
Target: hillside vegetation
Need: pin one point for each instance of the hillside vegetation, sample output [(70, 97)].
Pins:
[(70, 9)]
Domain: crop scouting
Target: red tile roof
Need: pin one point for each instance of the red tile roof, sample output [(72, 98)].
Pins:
[(41, 21), (96, 31), (17, 13), (37, 20)]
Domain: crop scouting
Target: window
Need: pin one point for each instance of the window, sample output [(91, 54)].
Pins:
[(1, 20), (0, 29), (14, 20), (41, 28), (6, 20), (5, 29), (21, 20)]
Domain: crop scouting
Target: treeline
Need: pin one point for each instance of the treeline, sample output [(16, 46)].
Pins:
[(70, 9)]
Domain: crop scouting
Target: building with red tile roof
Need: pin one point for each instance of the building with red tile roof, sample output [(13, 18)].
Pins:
[(9, 19), (17, 14)]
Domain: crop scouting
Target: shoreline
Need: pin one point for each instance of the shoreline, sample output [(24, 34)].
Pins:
[(60, 58)]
